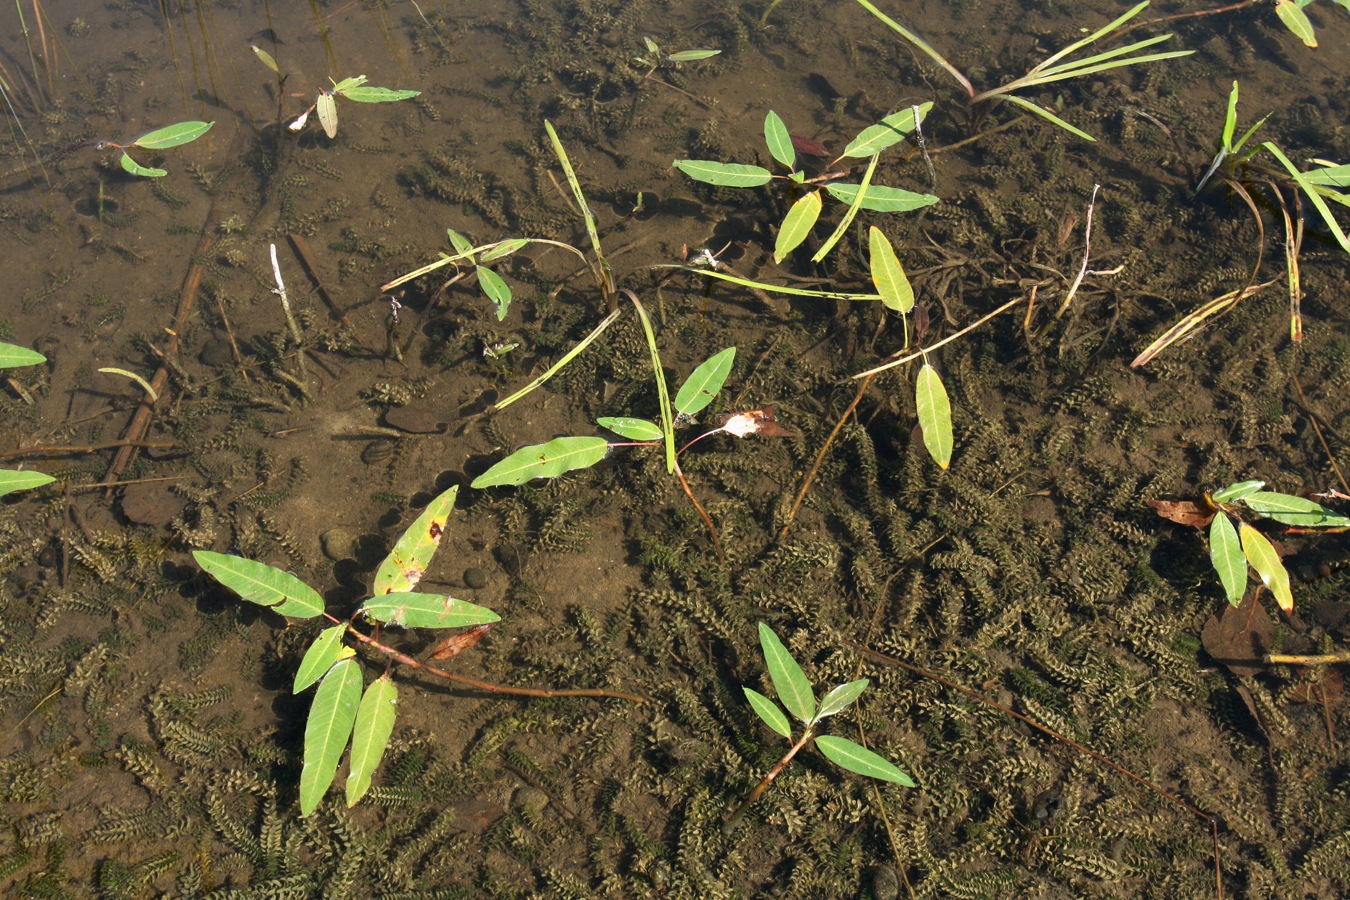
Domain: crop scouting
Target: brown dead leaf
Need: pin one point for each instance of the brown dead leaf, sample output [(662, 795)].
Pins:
[(1324, 686), (1183, 512), (1239, 638), (456, 644)]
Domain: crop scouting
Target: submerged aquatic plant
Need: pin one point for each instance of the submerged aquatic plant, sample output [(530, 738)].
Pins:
[(11, 480), (175, 135)]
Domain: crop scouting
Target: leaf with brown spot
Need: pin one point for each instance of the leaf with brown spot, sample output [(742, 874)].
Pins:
[(1183, 512), (1240, 637)]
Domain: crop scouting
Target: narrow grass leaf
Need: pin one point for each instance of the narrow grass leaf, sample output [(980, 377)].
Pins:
[(1313, 195), (858, 759), (136, 168), (261, 584), (888, 276), (633, 429), (326, 106), (1048, 116), (769, 712), (173, 135), (548, 460), (370, 736), (378, 94), (880, 198), (662, 389), (1225, 551), (797, 224), (12, 356), (935, 415), (403, 568), (319, 658), (12, 480), (497, 290), (1261, 554), (840, 696), (724, 174), (779, 140), (331, 718), (1296, 511), (704, 382), (789, 681)]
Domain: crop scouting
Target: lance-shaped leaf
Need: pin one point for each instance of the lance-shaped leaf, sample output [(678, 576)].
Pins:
[(633, 429), (503, 249), (172, 135), (266, 58), (797, 224), (330, 725), (1261, 554), (891, 130), (12, 355), (856, 758), (724, 174), (497, 290), (888, 276), (405, 565), (549, 460), (327, 109), (418, 610), (704, 382), (374, 723), (463, 246), (12, 480), (789, 681), (262, 584), (1225, 551), (769, 712), (378, 94), (840, 697), (136, 168), (319, 658), (691, 55), (779, 140), (1235, 492), (347, 84), (935, 415), (880, 198), (1296, 20), (1296, 511)]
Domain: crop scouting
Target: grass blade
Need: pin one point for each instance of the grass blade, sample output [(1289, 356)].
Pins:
[(858, 759), (1048, 116), (847, 220), (326, 732), (370, 736), (789, 681), (662, 390)]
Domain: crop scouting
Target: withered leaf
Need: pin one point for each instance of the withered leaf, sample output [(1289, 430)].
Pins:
[(1183, 512), (1240, 637), (456, 644)]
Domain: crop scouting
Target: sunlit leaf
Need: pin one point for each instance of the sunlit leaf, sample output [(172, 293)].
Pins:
[(377, 94), (136, 168), (704, 382), (370, 736), (463, 246), (348, 84), (789, 681), (1261, 554), (797, 225), (12, 480), (779, 140), (633, 429), (173, 135), (1296, 20), (724, 174), (497, 290), (417, 610), (888, 276), (503, 249), (328, 117), (319, 658), (840, 697), (891, 130), (266, 58), (858, 759), (12, 356), (1329, 176), (691, 55), (1295, 511), (935, 414), (262, 584), (769, 712), (1225, 551), (880, 198), (403, 568), (1235, 492), (331, 718), (549, 460)]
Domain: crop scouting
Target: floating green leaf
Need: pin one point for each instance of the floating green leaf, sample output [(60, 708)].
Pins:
[(1225, 551), (856, 758), (633, 429), (779, 140), (724, 174), (136, 168), (549, 460), (12, 480), (891, 130), (262, 584), (403, 568), (328, 117), (1296, 20), (1296, 511), (704, 382), (1261, 554), (463, 246), (347, 84), (331, 718), (266, 58), (173, 135), (377, 94), (319, 658), (797, 224), (935, 414), (12, 356), (417, 610), (370, 736), (880, 198), (769, 712), (497, 290), (1329, 175), (789, 681), (840, 697), (1235, 492), (691, 55), (503, 249), (888, 276)]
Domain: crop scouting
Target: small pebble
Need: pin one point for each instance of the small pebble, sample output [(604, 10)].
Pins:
[(337, 543), (475, 578)]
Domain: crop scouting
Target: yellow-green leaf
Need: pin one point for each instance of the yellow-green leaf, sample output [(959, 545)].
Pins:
[(374, 723), (327, 108), (548, 460), (12, 355), (12, 480), (887, 274), (789, 681), (1267, 564), (1296, 20), (262, 584), (331, 718), (856, 758), (1225, 551), (769, 712), (403, 568), (414, 609), (935, 415), (319, 658), (797, 224)]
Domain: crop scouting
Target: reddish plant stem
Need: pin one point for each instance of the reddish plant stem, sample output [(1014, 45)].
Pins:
[(735, 819)]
